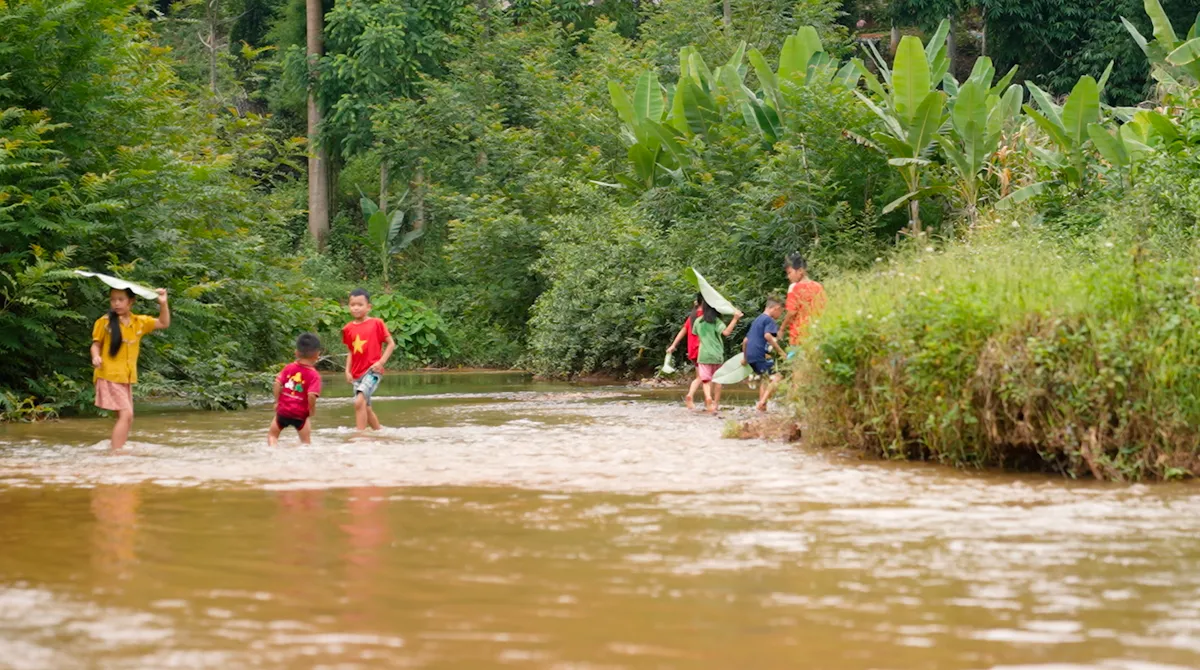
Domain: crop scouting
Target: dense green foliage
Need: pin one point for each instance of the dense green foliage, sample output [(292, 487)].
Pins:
[(106, 164), (548, 169), (1065, 344)]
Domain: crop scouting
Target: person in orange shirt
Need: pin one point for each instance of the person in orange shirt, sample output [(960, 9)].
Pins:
[(805, 299), (116, 342), (365, 337)]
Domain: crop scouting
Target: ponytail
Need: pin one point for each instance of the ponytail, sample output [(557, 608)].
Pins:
[(114, 328), (114, 333)]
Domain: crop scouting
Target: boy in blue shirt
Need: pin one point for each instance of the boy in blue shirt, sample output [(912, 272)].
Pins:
[(764, 336)]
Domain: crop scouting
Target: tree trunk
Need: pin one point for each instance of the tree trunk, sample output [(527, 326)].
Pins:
[(383, 184), (983, 33), (211, 15), (318, 161), (418, 190), (952, 47), (727, 17), (914, 216), (894, 43)]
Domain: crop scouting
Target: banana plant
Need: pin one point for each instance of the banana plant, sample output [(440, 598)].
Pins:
[(979, 115), (654, 147), (912, 111), (384, 232), (1067, 127), (802, 62), (1146, 132), (1171, 60)]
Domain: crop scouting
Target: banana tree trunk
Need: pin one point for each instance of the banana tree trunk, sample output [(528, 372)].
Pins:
[(952, 46), (383, 185), (914, 216), (727, 17), (318, 160), (418, 190), (895, 39)]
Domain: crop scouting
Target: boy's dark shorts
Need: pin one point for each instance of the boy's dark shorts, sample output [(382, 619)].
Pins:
[(763, 367), (289, 422)]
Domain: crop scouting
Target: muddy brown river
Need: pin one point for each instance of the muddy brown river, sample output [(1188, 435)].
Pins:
[(498, 523)]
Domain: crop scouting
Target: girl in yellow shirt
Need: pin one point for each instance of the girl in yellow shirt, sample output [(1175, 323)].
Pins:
[(116, 339)]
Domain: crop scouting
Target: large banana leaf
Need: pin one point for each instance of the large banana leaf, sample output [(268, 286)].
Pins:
[(698, 107), (970, 122), (620, 101), (678, 118), (668, 137), (1137, 36), (699, 71), (1009, 108), (1054, 130), (1110, 147), (1163, 32), (766, 78), (1051, 111), (869, 78), (733, 370), (1082, 108), (377, 229), (1163, 126), (647, 99), (926, 121), (711, 296), (983, 72), (1021, 195), (1005, 81), (644, 163), (1187, 53), (910, 79), (797, 51), (892, 123), (755, 115)]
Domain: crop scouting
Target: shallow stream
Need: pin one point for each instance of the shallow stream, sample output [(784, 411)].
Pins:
[(496, 522)]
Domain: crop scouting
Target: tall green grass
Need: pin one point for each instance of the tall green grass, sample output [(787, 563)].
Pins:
[(1022, 348)]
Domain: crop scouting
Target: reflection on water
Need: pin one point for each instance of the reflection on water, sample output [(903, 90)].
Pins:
[(557, 527), (115, 530)]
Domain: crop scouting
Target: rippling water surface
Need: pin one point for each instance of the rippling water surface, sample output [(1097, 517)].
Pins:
[(499, 523)]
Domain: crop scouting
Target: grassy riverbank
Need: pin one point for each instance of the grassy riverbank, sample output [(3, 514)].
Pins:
[(1064, 344)]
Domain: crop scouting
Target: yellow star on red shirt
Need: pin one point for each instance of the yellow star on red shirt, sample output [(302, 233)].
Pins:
[(358, 344)]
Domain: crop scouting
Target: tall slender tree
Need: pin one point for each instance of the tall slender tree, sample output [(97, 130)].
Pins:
[(318, 161)]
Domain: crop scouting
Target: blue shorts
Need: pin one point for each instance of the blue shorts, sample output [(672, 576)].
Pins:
[(366, 385), (763, 367)]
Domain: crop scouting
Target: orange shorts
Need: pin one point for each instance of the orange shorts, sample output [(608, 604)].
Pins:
[(113, 396)]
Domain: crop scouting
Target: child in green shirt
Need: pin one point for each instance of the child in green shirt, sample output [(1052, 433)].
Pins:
[(712, 331)]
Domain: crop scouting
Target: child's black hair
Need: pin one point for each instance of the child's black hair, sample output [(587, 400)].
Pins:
[(114, 327), (699, 299), (772, 301), (361, 292), (796, 262), (710, 312), (308, 345)]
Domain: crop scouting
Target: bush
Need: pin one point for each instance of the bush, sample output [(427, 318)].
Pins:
[(1019, 349), (615, 293)]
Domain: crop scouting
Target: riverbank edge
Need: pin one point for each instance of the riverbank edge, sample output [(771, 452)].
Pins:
[(1010, 351)]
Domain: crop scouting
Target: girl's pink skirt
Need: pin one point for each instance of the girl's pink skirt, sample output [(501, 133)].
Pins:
[(706, 371), (113, 396)]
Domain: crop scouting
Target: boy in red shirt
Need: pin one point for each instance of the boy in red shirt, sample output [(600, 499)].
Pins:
[(805, 299), (296, 390), (365, 337)]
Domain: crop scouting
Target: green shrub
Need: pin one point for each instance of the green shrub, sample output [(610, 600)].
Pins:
[(1078, 356), (614, 297)]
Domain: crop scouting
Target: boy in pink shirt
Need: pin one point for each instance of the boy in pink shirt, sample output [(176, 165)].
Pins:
[(296, 390)]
